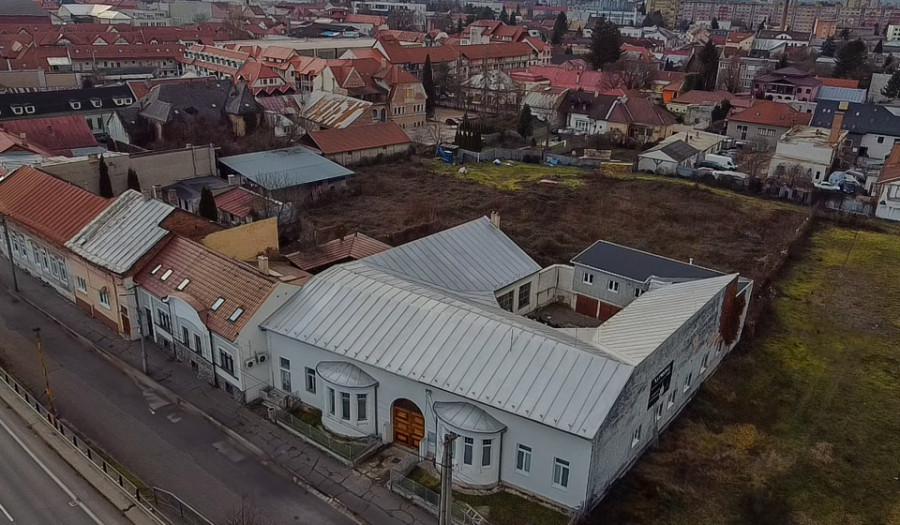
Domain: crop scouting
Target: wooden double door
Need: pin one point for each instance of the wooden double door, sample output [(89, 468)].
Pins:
[(408, 422)]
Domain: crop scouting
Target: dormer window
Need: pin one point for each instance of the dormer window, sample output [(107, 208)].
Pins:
[(17, 109), (96, 102), (75, 104), (29, 109)]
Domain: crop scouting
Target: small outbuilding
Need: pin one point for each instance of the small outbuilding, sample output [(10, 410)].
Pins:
[(348, 146)]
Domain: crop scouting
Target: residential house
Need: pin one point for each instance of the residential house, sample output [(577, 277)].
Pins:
[(587, 113), (294, 175), (324, 110), (492, 92), (641, 119), (96, 105), (697, 106), (239, 205), (787, 84), (184, 194), (772, 42), (262, 79), (109, 61), (741, 70), (740, 40), (212, 327), (546, 104), (349, 146), (66, 136), (681, 149), (23, 12), (433, 350), (804, 157), (42, 214), (343, 249), (887, 189), (876, 85), (764, 122), (873, 129), (17, 151)]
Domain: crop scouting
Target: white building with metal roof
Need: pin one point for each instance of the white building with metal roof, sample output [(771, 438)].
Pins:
[(420, 341)]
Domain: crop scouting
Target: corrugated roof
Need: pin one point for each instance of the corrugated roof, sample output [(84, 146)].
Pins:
[(472, 257), (331, 141), (467, 417), (841, 93), (354, 247), (123, 233), (58, 135), (335, 111), (211, 276), (636, 331), (241, 202), (284, 168), (679, 150), (637, 264), (48, 206), (483, 353), (342, 373)]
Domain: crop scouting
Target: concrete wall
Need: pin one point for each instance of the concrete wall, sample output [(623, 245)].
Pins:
[(600, 287), (88, 299), (155, 168), (546, 442), (554, 285), (698, 339), (876, 149), (349, 158), (38, 79), (247, 241), (28, 253), (769, 140)]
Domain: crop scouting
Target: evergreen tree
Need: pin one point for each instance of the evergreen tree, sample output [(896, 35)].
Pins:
[(851, 60), (829, 47), (477, 143), (606, 44), (514, 18), (525, 126), (714, 23), (504, 17), (207, 207), (761, 26), (892, 89), (783, 61), (879, 48), (708, 59), (106, 190), (845, 33), (428, 84), (720, 112), (133, 182), (559, 28), (459, 26)]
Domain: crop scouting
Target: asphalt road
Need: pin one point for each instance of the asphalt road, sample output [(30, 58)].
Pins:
[(162, 444), (37, 486)]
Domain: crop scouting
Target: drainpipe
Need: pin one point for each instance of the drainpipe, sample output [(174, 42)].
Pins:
[(12, 263), (212, 355)]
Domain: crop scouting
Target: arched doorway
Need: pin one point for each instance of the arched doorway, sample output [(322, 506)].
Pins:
[(408, 423)]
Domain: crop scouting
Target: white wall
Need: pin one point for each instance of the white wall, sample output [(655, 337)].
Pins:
[(876, 149), (546, 442), (516, 289), (35, 254)]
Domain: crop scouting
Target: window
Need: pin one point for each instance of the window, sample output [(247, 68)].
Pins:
[(524, 295), (687, 381), (226, 361), (198, 344), (63, 273), (718, 347), (75, 104), (613, 286), (523, 459), (636, 436), (587, 278), (164, 321), (183, 284), (237, 313), (217, 304), (166, 275), (104, 297), (81, 284), (17, 110), (560, 473), (331, 401), (185, 336), (704, 363), (311, 380), (361, 406), (880, 140), (672, 398), (345, 406), (506, 301), (638, 292), (468, 446), (659, 411), (285, 365), (486, 446)]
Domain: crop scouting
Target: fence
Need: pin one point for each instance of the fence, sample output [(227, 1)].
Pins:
[(520, 155), (177, 507), (461, 513), (136, 491), (351, 452)]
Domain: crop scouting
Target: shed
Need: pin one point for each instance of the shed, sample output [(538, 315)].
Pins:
[(352, 145)]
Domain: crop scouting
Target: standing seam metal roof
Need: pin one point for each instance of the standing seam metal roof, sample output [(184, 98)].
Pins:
[(285, 168), (125, 231), (466, 416)]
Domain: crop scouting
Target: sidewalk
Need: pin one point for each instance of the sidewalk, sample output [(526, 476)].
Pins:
[(364, 496)]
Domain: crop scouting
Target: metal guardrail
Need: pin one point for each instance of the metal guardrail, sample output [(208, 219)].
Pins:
[(351, 451), (178, 507), (461, 513), (142, 495)]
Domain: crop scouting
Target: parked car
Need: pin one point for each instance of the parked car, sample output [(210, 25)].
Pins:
[(711, 165), (726, 162), (685, 172)]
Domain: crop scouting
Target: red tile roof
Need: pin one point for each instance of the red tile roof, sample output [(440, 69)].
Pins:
[(240, 202), (13, 142), (49, 207), (891, 170), (696, 96), (594, 81), (773, 114), (122, 52), (211, 275), (738, 37), (839, 82), (351, 247), (355, 138), (58, 135)]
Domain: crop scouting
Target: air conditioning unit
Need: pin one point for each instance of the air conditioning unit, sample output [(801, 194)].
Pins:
[(249, 363), (262, 358)]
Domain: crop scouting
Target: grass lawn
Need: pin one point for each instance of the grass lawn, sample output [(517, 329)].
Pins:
[(514, 177), (506, 508), (802, 424)]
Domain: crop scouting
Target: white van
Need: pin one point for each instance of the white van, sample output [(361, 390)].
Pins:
[(722, 160)]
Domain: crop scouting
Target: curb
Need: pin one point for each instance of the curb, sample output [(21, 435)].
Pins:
[(176, 399)]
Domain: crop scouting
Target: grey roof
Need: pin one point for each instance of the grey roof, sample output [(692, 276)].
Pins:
[(473, 258), (125, 231), (679, 150), (841, 93), (190, 189), (597, 107), (637, 264), (60, 101), (858, 118), (208, 100), (22, 8), (284, 168), (342, 373), (467, 417)]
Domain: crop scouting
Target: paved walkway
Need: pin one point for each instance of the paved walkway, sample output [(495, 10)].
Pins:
[(364, 495)]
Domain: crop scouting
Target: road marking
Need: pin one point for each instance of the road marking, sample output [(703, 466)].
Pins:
[(49, 473), (6, 513)]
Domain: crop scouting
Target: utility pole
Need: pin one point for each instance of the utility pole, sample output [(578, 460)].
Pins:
[(12, 262), (445, 515), (40, 348)]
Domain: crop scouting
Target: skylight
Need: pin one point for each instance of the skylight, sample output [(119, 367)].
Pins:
[(166, 275), (184, 284), (237, 313), (218, 303), (155, 269)]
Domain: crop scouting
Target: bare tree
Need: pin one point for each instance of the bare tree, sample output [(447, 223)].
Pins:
[(246, 514), (754, 163), (630, 74), (730, 77)]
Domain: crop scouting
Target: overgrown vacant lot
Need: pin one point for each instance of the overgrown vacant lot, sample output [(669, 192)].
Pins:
[(801, 425), (553, 223)]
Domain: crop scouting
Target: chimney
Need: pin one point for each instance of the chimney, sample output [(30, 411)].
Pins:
[(263, 262), (836, 124), (154, 192), (172, 197), (495, 219), (232, 179), (578, 77), (23, 138), (691, 261)]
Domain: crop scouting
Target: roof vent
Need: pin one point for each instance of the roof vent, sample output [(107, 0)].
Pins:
[(183, 284), (166, 275), (155, 269)]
